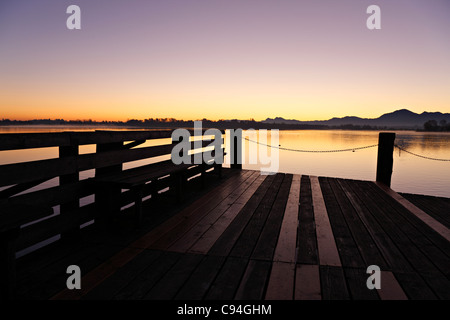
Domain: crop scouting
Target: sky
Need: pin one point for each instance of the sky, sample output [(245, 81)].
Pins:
[(222, 59)]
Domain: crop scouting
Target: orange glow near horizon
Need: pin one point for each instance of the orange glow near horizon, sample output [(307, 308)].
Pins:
[(213, 107)]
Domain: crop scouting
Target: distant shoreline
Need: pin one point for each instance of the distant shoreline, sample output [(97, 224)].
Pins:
[(400, 120), (244, 127), (221, 124)]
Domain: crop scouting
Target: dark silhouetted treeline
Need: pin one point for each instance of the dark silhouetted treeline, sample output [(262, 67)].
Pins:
[(433, 125), (174, 123)]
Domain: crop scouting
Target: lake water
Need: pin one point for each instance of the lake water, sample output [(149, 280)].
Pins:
[(411, 174)]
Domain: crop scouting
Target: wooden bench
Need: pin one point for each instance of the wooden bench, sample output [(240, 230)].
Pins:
[(136, 179), (109, 184)]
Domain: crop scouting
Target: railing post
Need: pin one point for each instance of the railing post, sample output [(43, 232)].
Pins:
[(236, 150), (108, 199), (8, 264), (218, 166), (69, 209), (385, 157)]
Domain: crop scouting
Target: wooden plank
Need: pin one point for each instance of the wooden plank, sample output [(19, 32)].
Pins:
[(254, 281), (201, 279), (52, 196), (139, 175), (45, 229), (390, 289), (68, 209), (145, 280), (114, 157), (191, 236), (169, 285), (35, 170), (226, 241), (306, 240), (15, 215), (423, 255), (356, 279), (436, 207), (281, 281), (307, 282), (8, 264), (247, 241), (328, 253), (425, 229), (109, 136), (32, 263), (170, 237), (107, 199), (14, 141), (333, 283), (207, 240), (439, 283), (18, 188), (197, 206), (123, 276), (414, 286), (362, 238), (49, 281), (287, 241), (133, 144), (202, 237), (389, 249), (265, 247), (94, 277), (348, 249), (227, 281), (426, 218)]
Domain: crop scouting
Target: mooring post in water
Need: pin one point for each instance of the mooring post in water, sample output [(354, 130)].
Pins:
[(385, 157)]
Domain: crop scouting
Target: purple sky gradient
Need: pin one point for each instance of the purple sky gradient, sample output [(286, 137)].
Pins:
[(223, 59)]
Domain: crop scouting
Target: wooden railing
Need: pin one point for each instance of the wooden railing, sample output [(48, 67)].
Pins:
[(113, 149)]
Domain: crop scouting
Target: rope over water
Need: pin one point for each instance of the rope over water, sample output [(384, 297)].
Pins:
[(418, 155), (313, 151), (344, 150)]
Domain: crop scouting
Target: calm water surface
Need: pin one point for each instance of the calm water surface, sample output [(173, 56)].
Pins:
[(411, 174)]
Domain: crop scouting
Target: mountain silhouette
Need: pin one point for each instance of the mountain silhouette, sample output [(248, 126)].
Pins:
[(398, 119)]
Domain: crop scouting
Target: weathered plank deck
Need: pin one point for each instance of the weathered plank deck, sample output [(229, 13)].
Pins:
[(250, 236)]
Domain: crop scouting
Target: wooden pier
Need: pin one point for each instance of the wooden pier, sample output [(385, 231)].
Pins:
[(235, 234)]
